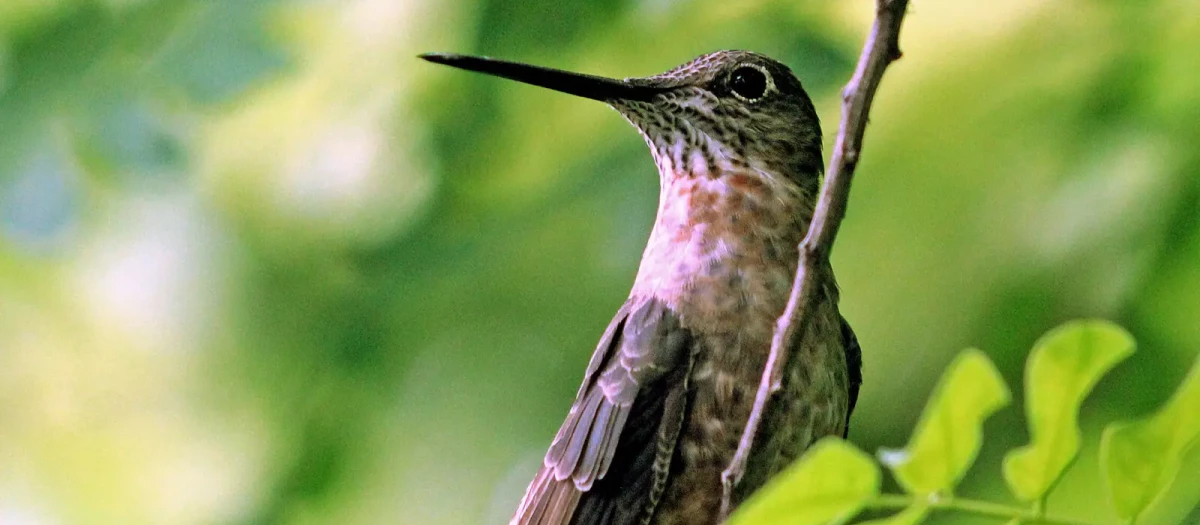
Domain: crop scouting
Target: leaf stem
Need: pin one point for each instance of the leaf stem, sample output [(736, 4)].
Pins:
[(973, 506)]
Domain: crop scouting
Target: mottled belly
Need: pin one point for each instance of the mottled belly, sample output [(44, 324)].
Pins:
[(813, 403)]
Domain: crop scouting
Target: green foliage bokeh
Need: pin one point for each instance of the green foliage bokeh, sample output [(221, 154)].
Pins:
[(258, 264)]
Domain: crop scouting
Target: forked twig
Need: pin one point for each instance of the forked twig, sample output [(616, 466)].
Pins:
[(881, 49)]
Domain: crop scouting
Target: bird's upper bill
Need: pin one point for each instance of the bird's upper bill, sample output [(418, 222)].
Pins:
[(578, 84)]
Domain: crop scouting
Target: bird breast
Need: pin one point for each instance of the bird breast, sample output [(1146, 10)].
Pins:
[(723, 249)]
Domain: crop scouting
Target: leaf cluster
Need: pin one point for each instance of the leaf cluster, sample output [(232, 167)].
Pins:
[(836, 481)]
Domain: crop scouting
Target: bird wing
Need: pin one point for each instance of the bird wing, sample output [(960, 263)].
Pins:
[(853, 366), (609, 461)]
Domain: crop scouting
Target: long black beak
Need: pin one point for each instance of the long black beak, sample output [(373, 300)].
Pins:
[(578, 84)]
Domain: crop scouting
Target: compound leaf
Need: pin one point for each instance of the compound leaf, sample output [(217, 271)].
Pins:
[(1063, 368), (830, 483), (950, 432), (1140, 459)]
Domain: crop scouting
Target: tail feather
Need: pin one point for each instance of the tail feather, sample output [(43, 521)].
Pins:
[(547, 501)]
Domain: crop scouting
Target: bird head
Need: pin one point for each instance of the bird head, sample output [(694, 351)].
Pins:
[(722, 113)]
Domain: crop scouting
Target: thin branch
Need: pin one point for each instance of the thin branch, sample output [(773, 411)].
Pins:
[(881, 49), (976, 507)]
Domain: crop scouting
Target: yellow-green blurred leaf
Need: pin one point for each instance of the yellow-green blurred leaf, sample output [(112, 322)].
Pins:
[(949, 434), (909, 516), (1140, 459), (1063, 368), (830, 483)]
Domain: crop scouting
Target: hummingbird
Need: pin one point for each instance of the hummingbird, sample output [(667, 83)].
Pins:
[(670, 386)]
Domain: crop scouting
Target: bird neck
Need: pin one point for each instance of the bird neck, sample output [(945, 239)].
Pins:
[(729, 237)]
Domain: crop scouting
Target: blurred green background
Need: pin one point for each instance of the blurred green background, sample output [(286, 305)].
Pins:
[(259, 265)]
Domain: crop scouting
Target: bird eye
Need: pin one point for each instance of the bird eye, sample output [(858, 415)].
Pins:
[(748, 83)]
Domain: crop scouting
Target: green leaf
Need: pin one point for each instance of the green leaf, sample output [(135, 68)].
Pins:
[(909, 516), (950, 432), (1063, 368), (1140, 459), (831, 483)]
